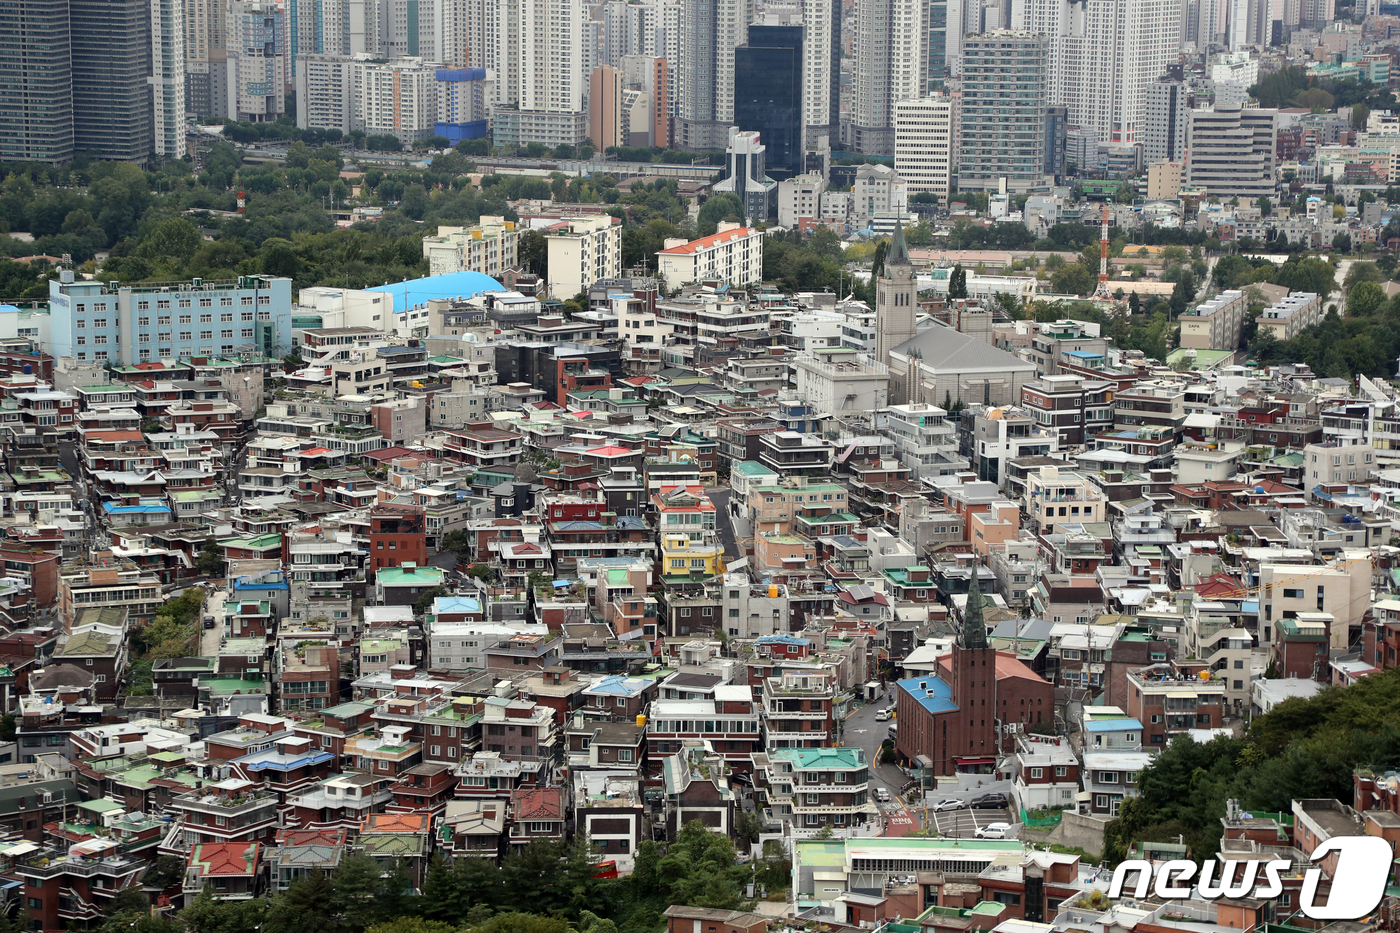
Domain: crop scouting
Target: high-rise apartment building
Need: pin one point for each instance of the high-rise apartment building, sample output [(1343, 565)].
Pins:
[(396, 98), (1230, 151), (1167, 113), (463, 104), (923, 144), (891, 65), (539, 73), (206, 69), (36, 100), (257, 62), (821, 70), (605, 108), (710, 31), (111, 48), (325, 92), (335, 27), (168, 77), (768, 79), (1103, 56), (1002, 109)]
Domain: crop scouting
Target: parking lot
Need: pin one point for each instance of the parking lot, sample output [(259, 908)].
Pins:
[(962, 824)]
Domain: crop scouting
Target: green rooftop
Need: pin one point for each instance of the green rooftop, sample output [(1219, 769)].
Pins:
[(752, 468), (818, 758), (257, 542), (401, 576)]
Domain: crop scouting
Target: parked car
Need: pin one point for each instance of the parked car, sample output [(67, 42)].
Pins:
[(993, 831), (892, 729), (882, 715), (208, 621), (882, 795), (942, 806), (989, 802)]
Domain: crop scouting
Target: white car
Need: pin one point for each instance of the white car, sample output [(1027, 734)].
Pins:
[(993, 831), (941, 806), (882, 715), (882, 795)]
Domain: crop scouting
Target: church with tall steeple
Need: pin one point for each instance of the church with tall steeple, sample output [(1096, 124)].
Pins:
[(896, 306), (950, 721)]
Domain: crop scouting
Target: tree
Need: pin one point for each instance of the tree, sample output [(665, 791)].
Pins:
[(957, 283), (1266, 207), (410, 925), (415, 202), (211, 559), (457, 542), (719, 207), (533, 251), (1365, 299), (175, 238), (1342, 242), (425, 601)]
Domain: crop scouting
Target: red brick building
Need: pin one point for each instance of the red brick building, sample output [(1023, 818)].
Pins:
[(949, 722), (398, 534)]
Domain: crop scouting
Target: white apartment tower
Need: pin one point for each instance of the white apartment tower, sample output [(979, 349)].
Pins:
[(325, 92), (891, 65), (923, 144), (1103, 56), (1231, 151), (168, 77), (397, 98), (821, 69), (710, 31), (257, 62), (537, 55), (1165, 120)]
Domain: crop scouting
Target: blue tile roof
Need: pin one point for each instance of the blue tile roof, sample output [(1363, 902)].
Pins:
[(417, 292), (932, 692), (456, 604)]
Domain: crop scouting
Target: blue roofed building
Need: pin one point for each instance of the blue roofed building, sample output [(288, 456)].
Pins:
[(411, 298)]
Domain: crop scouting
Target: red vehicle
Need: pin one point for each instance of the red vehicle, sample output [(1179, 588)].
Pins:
[(606, 869)]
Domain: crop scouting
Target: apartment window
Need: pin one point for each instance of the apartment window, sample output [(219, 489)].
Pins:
[(206, 335), (1060, 770), (163, 320), (1037, 773), (226, 318), (206, 302), (226, 302), (143, 321), (206, 319), (1292, 594), (185, 319)]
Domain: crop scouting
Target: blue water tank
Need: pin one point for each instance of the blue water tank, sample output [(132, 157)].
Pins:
[(1259, 489)]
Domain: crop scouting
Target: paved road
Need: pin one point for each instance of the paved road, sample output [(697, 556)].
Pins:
[(719, 495), (861, 730), (209, 639)]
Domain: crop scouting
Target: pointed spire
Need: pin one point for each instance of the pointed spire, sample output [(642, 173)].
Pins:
[(974, 629), (898, 254)]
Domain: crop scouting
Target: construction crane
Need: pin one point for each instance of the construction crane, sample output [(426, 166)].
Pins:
[(1102, 290)]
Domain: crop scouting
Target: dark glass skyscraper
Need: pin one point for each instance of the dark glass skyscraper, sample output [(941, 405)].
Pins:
[(36, 100), (768, 94), (111, 65)]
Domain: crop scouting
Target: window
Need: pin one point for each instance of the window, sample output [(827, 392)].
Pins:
[(1060, 770), (185, 319), (1292, 594), (1101, 801), (206, 319), (624, 754)]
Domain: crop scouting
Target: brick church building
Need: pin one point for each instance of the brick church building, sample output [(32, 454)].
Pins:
[(948, 722)]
